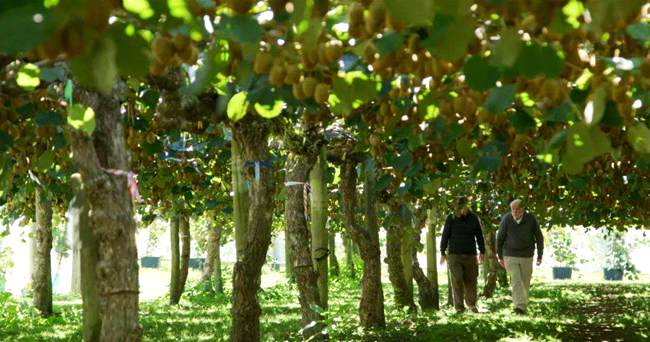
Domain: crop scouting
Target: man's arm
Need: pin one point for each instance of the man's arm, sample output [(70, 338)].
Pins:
[(444, 240), (501, 237), (478, 232), (539, 240)]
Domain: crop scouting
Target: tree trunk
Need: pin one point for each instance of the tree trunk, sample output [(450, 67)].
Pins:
[(174, 286), (395, 266), (88, 256), (334, 263), (298, 235), (184, 230), (490, 263), (349, 257), (432, 263), (288, 260), (72, 225), (371, 307), (240, 198), (319, 249), (102, 162), (252, 136), (211, 278), (41, 247), (426, 296), (408, 250)]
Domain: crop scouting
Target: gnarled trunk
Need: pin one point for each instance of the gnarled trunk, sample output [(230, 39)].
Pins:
[(240, 198), (432, 264), (490, 265), (102, 162), (298, 235), (408, 253), (395, 266), (319, 240), (371, 307), (252, 136), (41, 247), (211, 278), (426, 296), (174, 286)]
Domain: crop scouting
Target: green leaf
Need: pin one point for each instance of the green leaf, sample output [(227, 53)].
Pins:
[(6, 141), (214, 63), (48, 119), (595, 107), (604, 13), (558, 140), (480, 75), (583, 143), (535, 59), (640, 32), (140, 7), (97, 67), (466, 150), (82, 118), (639, 137), (388, 43), (179, 9), (241, 28), (269, 112), (500, 98), (309, 30), (506, 49), (489, 163), (238, 106), (403, 161), (20, 28), (28, 77), (45, 161), (521, 121), (411, 12), (67, 92), (449, 37), (132, 55), (561, 113), (52, 74)]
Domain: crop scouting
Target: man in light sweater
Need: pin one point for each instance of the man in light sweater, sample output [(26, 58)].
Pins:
[(517, 237)]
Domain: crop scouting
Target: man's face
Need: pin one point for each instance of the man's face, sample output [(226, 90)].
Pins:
[(462, 211), (517, 211)]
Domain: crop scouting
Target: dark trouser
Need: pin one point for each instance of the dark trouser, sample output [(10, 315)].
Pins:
[(464, 274)]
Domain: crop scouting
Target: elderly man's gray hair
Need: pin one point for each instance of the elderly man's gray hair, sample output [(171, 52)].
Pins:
[(516, 201)]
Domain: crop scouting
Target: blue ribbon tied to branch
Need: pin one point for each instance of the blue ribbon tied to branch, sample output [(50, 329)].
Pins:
[(257, 164)]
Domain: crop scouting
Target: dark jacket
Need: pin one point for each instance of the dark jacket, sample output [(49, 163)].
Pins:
[(462, 234), (519, 239)]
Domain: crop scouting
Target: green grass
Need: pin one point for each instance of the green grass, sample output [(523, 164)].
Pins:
[(558, 311)]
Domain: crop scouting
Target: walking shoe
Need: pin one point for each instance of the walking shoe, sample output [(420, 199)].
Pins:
[(460, 311)]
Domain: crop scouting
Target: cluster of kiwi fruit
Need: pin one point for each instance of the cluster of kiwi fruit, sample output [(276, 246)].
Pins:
[(282, 72), (369, 17), (170, 52)]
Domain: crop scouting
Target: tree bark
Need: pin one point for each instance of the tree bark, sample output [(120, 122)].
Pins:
[(432, 263), (252, 136), (102, 162), (426, 296), (319, 240), (41, 247), (395, 266), (407, 255), (349, 257), (490, 263), (184, 230), (211, 278), (288, 260), (298, 235), (72, 224), (240, 198), (371, 307), (334, 263), (174, 285), (88, 257)]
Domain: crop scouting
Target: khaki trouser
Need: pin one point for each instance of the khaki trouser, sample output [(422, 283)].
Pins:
[(464, 272), (520, 271)]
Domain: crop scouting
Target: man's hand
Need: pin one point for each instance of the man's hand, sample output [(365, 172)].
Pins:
[(502, 263), (539, 261), (481, 257), (443, 259)]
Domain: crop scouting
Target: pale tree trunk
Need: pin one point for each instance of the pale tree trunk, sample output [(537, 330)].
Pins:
[(240, 198), (334, 263), (395, 267), (408, 250), (211, 278), (72, 225), (371, 307), (102, 162), (184, 230), (88, 255), (349, 256), (490, 265), (41, 247), (298, 235), (288, 263), (252, 136), (432, 263), (174, 285), (319, 241)]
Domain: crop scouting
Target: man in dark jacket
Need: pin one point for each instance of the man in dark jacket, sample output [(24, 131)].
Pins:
[(517, 237), (462, 233)]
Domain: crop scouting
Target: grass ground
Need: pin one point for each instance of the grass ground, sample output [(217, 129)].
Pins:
[(567, 311)]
